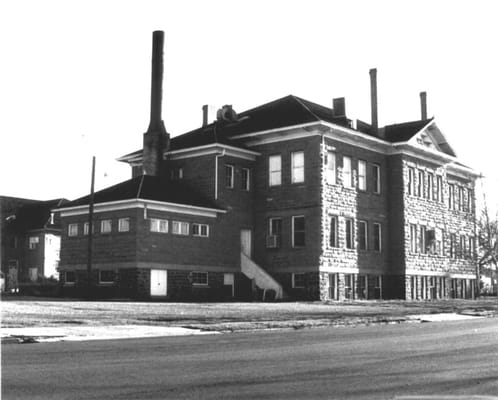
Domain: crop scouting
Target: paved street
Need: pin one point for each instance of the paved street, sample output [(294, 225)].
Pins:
[(450, 358)]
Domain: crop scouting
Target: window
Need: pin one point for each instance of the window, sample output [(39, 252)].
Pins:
[(430, 186), (346, 172), (330, 161), (105, 226), (333, 286), (377, 234), (460, 198), (123, 224), (470, 197), (376, 178), (333, 231), (229, 176), (430, 241), (413, 238), (176, 174), (451, 197), (107, 276), (34, 240), (378, 287), (275, 170), (439, 188), (199, 278), (246, 179), (180, 228), (411, 181), (463, 247), (420, 184), (362, 235), (158, 225), (274, 232), (297, 175), (70, 277), (348, 286), (33, 274), (349, 233), (298, 233), (423, 239), (298, 281), (362, 175), (13, 242), (200, 230), (72, 230), (362, 287), (86, 228), (453, 245), (471, 247)]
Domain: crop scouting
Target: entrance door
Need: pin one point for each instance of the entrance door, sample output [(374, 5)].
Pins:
[(228, 285), (246, 242), (158, 282)]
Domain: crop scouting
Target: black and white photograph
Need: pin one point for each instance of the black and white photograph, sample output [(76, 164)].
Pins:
[(249, 200)]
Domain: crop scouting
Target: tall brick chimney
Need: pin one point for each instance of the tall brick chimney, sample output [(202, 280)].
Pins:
[(423, 105), (156, 139), (373, 100)]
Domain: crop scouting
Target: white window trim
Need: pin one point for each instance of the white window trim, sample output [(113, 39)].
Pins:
[(362, 177), (247, 171), (331, 176), (177, 228), (380, 236), (157, 221), (120, 222), (377, 188), (232, 176), (271, 171), (70, 231), (102, 223), (294, 168), (347, 179), (200, 230), (293, 231), (294, 281)]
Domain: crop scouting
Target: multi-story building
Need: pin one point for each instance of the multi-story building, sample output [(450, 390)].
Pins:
[(289, 196), (30, 240)]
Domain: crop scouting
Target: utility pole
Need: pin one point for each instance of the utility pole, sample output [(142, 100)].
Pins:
[(90, 233)]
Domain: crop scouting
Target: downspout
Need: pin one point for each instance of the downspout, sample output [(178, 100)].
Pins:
[(216, 173)]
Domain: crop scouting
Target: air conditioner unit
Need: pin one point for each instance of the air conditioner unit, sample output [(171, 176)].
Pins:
[(272, 241)]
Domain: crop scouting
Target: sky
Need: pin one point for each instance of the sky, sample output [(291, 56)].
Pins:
[(75, 75)]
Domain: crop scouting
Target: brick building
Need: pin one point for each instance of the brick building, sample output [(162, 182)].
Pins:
[(30, 240), (289, 196)]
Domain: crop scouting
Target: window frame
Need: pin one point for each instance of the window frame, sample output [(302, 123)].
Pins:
[(229, 176), (347, 173), (334, 230), (349, 233), (413, 238), (294, 231), (69, 282), (420, 183), (430, 186), (362, 235), (331, 174), (302, 276), (103, 223), (376, 178), (246, 179), (411, 181), (180, 225), (275, 175), (296, 177), (377, 236), (104, 282), (160, 223), (201, 282), (121, 227), (72, 230), (200, 226), (362, 175)]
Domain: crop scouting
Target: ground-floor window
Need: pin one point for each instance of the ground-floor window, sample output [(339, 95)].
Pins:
[(298, 281), (362, 287), (334, 286), (70, 277), (378, 287), (107, 276), (33, 274), (199, 278), (348, 286)]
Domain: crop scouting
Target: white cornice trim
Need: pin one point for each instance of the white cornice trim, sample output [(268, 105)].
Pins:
[(141, 203), (452, 275), (276, 130), (214, 148)]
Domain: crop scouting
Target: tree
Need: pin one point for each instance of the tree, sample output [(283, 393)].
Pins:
[(487, 235)]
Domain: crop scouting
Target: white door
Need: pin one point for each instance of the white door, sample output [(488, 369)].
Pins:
[(158, 282), (228, 281), (246, 242)]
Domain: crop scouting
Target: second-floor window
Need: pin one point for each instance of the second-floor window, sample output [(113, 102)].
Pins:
[(123, 224), (347, 176), (200, 230), (411, 181), (430, 186), (420, 184), (180, 228), (349, 233), (333, 231), (72, 230), (362, 175), (413, 238), (159, 225), (297, 175), (362, 235), (377, 233), (229, 176), (105, 226), (331, 168), (298, 232), (451, 197), (246, 179), (439, 188), (376, 178), (275, 170), (274, 232)]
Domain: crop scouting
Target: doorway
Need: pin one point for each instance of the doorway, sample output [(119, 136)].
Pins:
[(158, 282), (246, 242)]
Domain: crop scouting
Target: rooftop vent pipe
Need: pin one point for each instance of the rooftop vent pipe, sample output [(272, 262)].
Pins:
[(373, 99)]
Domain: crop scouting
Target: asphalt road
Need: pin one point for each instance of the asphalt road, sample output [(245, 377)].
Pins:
[(369, 362)]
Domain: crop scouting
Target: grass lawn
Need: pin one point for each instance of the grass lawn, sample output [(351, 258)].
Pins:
[(28, 312)]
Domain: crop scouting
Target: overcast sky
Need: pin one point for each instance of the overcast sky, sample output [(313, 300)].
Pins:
[(75, 75)]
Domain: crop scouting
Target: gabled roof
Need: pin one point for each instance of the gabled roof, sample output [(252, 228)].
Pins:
[(287, 111), (147, 187), (405, 131), (35, 215)]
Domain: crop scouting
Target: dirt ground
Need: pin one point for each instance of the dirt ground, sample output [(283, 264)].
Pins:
[(36, 312)]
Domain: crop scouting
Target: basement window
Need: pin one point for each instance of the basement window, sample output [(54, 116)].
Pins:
[(298, 281), (199, 278), (107, 276)]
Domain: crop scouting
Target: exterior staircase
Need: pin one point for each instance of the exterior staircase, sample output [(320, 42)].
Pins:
[(260, 277)]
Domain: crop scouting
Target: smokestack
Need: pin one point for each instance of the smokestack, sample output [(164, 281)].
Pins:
[(373, 99), (208, 114), (423, 105), (156, 139)]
